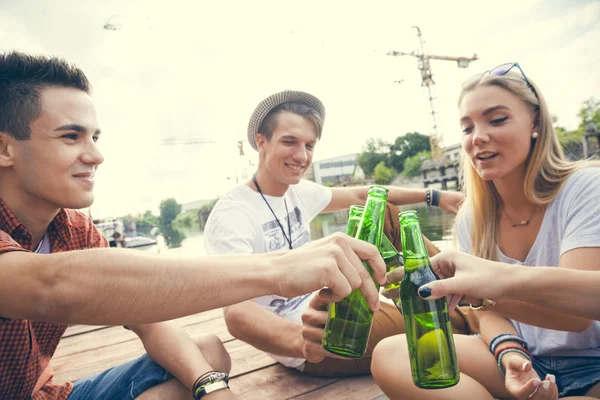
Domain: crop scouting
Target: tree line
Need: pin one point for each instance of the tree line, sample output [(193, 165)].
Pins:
[(383, 160)]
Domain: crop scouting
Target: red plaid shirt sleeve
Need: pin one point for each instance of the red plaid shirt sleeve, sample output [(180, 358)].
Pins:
[(27, 346)]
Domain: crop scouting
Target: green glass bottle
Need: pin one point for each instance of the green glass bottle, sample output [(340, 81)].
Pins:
[(349, 321), (428, 331), (393, 259)]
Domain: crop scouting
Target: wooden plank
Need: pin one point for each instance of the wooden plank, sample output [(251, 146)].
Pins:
[(363, 387), (382, 397), (117, 334), (245, 358), (183, 321), (74, 330), (275, 383)]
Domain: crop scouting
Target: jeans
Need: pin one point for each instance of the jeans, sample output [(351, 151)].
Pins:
[(574, 375), (125, 381)]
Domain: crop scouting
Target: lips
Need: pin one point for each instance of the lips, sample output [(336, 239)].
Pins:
[(293, 167), (486, 155), (84, 175)]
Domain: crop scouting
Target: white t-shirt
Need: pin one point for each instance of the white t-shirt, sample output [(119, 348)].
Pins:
[(571, 221), (242, 223)]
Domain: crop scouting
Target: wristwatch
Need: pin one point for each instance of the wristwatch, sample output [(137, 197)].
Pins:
[(486, 304), (213, 382)]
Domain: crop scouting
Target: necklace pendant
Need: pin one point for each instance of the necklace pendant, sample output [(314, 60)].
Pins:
[(521, 223)]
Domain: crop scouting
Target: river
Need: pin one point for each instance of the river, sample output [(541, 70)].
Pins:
[(435, 224)]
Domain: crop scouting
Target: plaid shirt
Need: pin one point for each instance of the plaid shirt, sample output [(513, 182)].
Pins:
[(26, 346)]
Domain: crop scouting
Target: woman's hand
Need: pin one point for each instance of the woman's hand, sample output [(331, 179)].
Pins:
[(522, 382)]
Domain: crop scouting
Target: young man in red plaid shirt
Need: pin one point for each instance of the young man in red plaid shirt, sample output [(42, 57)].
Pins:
[(48, 158)]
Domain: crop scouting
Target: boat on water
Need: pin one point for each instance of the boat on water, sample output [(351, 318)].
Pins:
[(113, 231)]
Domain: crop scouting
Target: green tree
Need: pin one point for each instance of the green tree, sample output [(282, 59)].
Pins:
[(169, 209), (187, 221), (572, 141), (407, 146), (384, 174), (412, 165), (375, 152)]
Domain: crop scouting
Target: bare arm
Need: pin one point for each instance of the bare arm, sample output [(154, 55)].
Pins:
[(583, 258), (264, 330), (565, 291), (569, 291), (121, 287), (343, 198), (492, 325)]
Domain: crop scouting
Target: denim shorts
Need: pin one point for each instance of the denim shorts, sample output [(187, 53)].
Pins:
[(574, 375), (126, 381)]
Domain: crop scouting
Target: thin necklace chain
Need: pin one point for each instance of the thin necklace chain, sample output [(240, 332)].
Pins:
[(516, 224), (288, 239)]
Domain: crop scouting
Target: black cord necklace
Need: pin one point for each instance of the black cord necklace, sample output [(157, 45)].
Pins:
[(288, 239)]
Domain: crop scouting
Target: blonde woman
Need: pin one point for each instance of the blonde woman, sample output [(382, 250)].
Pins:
[(526, 205)]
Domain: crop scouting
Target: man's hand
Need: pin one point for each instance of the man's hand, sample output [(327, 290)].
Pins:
[(313, 324), (450, 201), (332, 265), (522, 382)]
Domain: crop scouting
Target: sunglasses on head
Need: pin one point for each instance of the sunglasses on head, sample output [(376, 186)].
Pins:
[(500, 70)]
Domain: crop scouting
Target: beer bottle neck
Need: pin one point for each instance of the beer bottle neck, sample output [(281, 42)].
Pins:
[(370, 228), (413, 245), (356, 214)]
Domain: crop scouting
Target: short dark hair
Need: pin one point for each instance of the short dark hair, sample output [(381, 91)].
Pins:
[(22, 77), (270, 122)]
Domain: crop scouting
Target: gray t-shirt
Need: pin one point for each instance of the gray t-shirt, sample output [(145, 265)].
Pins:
[(571, 221)]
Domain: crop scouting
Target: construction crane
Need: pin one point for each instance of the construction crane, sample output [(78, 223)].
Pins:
[(435, 139), (111, 24)]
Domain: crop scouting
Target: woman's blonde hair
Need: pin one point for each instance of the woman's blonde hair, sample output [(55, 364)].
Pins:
[(546, 168)]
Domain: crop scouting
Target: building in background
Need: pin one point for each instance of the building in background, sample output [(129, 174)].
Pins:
[(335, 171), (196, 205)]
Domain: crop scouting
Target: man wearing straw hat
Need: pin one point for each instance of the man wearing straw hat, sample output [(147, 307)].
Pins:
[(272, 212)]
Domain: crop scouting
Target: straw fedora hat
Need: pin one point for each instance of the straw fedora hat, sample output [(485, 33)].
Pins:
[(273, 101)]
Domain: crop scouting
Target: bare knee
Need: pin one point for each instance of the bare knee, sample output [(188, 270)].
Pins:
[(390, 351), (214, 352)]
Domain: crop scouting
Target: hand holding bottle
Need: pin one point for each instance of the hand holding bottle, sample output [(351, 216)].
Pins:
[(313, 328), (333, 265)]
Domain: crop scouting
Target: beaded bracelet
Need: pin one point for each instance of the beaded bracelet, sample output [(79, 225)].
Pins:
[(500, 350), (506, 351), (428, 197), (505, 338)]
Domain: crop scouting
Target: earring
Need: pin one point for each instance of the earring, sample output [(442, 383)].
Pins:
[(534, 135)]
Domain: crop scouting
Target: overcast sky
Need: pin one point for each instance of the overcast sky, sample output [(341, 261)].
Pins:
[(196, 70)]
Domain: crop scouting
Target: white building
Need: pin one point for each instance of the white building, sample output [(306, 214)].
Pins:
[(336, 170)]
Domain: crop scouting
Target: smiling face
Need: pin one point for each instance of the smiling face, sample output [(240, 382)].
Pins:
[(54, 168), (285, 158), (497, 132)]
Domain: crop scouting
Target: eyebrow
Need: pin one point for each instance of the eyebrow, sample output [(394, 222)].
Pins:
[(488, 111), (288, 137), (76, 128)]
